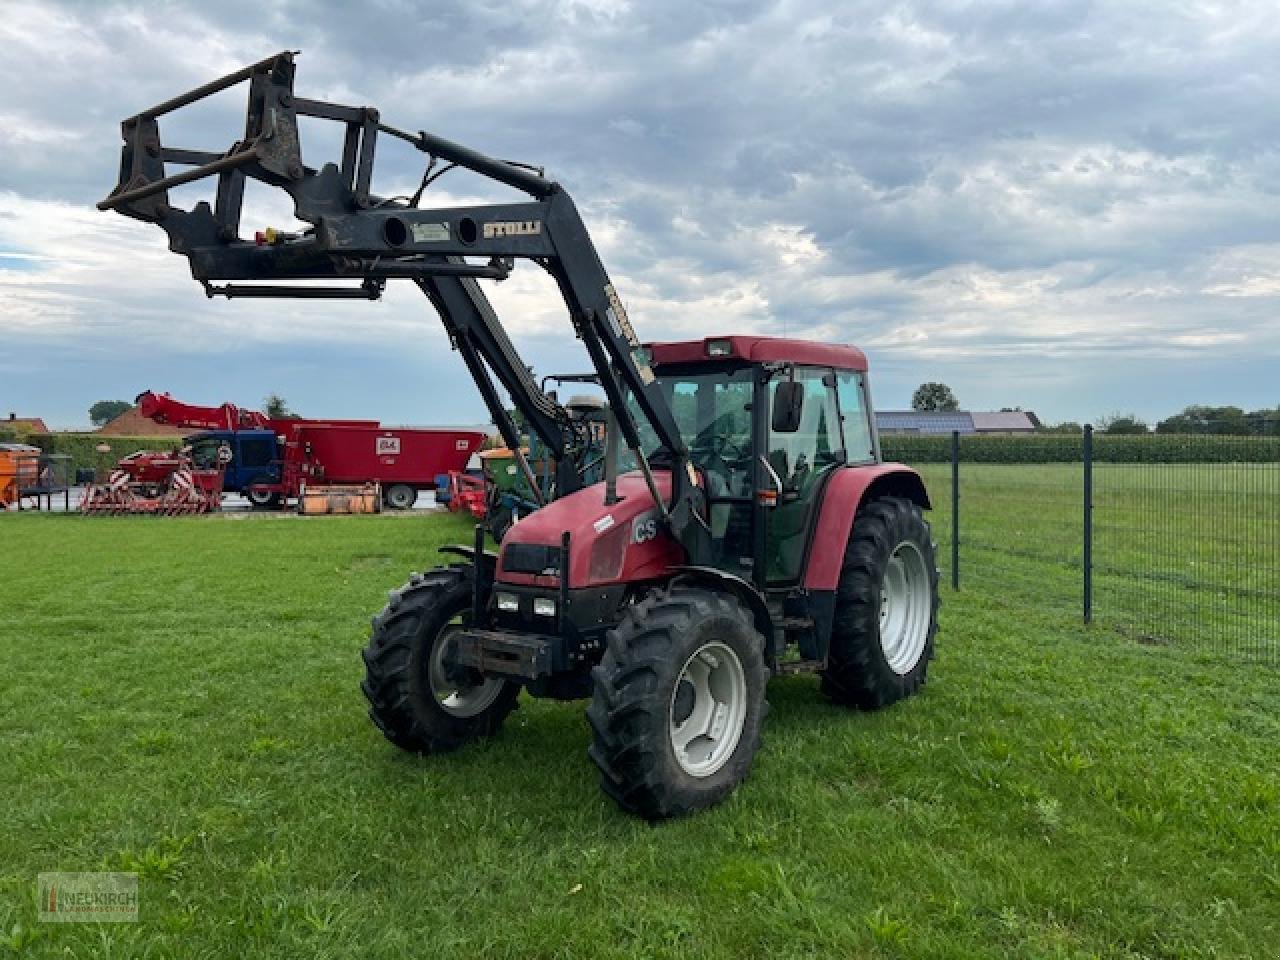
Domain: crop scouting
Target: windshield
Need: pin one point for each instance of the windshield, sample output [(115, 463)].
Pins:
[(712, 410)]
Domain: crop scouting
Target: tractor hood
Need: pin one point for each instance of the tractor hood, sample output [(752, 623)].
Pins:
[(608, 543)]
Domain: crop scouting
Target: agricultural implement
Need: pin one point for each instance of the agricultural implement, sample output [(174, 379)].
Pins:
[(743, 526), (160, 484)]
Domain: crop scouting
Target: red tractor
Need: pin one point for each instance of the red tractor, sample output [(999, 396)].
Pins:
[(745, 525)]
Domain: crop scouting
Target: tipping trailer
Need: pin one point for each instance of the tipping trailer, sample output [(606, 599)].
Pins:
[(269, 460), (745, 524)]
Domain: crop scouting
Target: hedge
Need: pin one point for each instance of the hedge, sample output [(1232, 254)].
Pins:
[(81, 447), (1069, 448)]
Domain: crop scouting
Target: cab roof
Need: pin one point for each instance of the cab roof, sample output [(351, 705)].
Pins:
[(759, 350)]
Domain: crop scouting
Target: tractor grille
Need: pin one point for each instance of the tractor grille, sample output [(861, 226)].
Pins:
[(532, 558)]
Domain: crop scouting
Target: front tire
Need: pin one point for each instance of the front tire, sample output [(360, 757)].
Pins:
[(413, 698), (261, 499), (677, 703), (886, 613)]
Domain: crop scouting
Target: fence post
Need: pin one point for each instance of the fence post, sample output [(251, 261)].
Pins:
[(1088, 523), (955, 509)]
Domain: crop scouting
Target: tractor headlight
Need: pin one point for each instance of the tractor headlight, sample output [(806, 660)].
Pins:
[(544, 607), (508, 603)]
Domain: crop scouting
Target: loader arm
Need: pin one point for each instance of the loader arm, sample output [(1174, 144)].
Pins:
[(365, 240)]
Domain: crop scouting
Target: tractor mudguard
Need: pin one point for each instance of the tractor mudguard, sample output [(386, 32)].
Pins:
[(743, 589), (469, 553), (843, 497)]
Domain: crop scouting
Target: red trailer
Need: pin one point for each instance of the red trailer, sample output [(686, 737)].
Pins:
[(270, 459), (404, 460)]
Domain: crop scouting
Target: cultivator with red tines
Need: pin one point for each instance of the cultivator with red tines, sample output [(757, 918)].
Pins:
[(187, 491)]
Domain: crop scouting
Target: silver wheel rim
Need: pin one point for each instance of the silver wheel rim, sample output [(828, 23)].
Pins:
[(455, 700), (905, 608), (708, 709), (259, 497)]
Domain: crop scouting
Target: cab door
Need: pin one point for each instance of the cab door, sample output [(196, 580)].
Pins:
[(801, 461)]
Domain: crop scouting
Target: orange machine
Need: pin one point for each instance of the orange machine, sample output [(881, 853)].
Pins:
[(19, 468)]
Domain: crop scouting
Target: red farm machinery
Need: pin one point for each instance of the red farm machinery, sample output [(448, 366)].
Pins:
[(743, 525), (273, 460), (151, 482)]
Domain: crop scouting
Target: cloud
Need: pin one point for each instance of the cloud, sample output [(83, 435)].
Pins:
[(943, 183)]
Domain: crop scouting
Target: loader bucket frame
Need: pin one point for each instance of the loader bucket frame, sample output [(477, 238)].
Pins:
[(359, 237)]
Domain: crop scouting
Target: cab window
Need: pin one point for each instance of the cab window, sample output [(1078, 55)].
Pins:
[(858, 444)]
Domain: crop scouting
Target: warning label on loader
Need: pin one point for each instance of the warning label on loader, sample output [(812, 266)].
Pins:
[(388, 445), (430, 233)]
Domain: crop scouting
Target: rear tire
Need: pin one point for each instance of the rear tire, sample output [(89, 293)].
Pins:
[(412, 698), (400, 496), (677, 703), (886, 613)]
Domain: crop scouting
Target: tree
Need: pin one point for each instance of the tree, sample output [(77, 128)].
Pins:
[(1068, 426), (1264, 422), (934, 396), (104, 411), (1123, 423), (1229, 421), (275, 407), (1203, 419)]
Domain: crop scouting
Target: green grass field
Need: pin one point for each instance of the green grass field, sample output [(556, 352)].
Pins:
[(180, 699)]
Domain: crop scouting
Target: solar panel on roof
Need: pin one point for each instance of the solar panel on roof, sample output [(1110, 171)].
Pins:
[(928, 422)]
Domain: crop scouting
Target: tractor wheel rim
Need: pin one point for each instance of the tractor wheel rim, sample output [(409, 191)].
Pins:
[(402, 498), (458, 700), (705, 732), (905, 608)]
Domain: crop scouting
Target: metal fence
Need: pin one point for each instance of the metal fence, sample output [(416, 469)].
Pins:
[(1168, 540)]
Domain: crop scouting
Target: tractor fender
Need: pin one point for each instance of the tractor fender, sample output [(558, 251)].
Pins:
[(743, 589), (842, 498)]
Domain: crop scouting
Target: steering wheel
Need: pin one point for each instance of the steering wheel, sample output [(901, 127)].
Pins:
[(720, 446)]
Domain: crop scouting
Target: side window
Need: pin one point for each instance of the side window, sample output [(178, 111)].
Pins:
[(256, 451), (853, 412)]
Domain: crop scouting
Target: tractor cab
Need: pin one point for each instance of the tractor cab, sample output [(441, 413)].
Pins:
[(765, 421)]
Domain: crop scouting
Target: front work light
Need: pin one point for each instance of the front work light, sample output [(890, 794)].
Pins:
[(508, 603), (719, 348), (544, 607)]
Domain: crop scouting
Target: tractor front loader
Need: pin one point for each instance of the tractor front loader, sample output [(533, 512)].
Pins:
[(743, 524)]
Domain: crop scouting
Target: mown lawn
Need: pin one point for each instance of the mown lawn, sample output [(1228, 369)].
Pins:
[(180, 698)]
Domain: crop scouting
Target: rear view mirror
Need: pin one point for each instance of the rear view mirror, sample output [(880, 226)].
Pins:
[(788, 401)]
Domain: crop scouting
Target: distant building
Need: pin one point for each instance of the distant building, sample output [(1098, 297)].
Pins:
[(133, 424), (956, 421), (25, 424)]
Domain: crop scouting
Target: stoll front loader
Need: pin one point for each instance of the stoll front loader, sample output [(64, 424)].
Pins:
[(745, 525)]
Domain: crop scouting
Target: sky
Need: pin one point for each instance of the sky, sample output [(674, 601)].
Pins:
[(1068, 207)]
